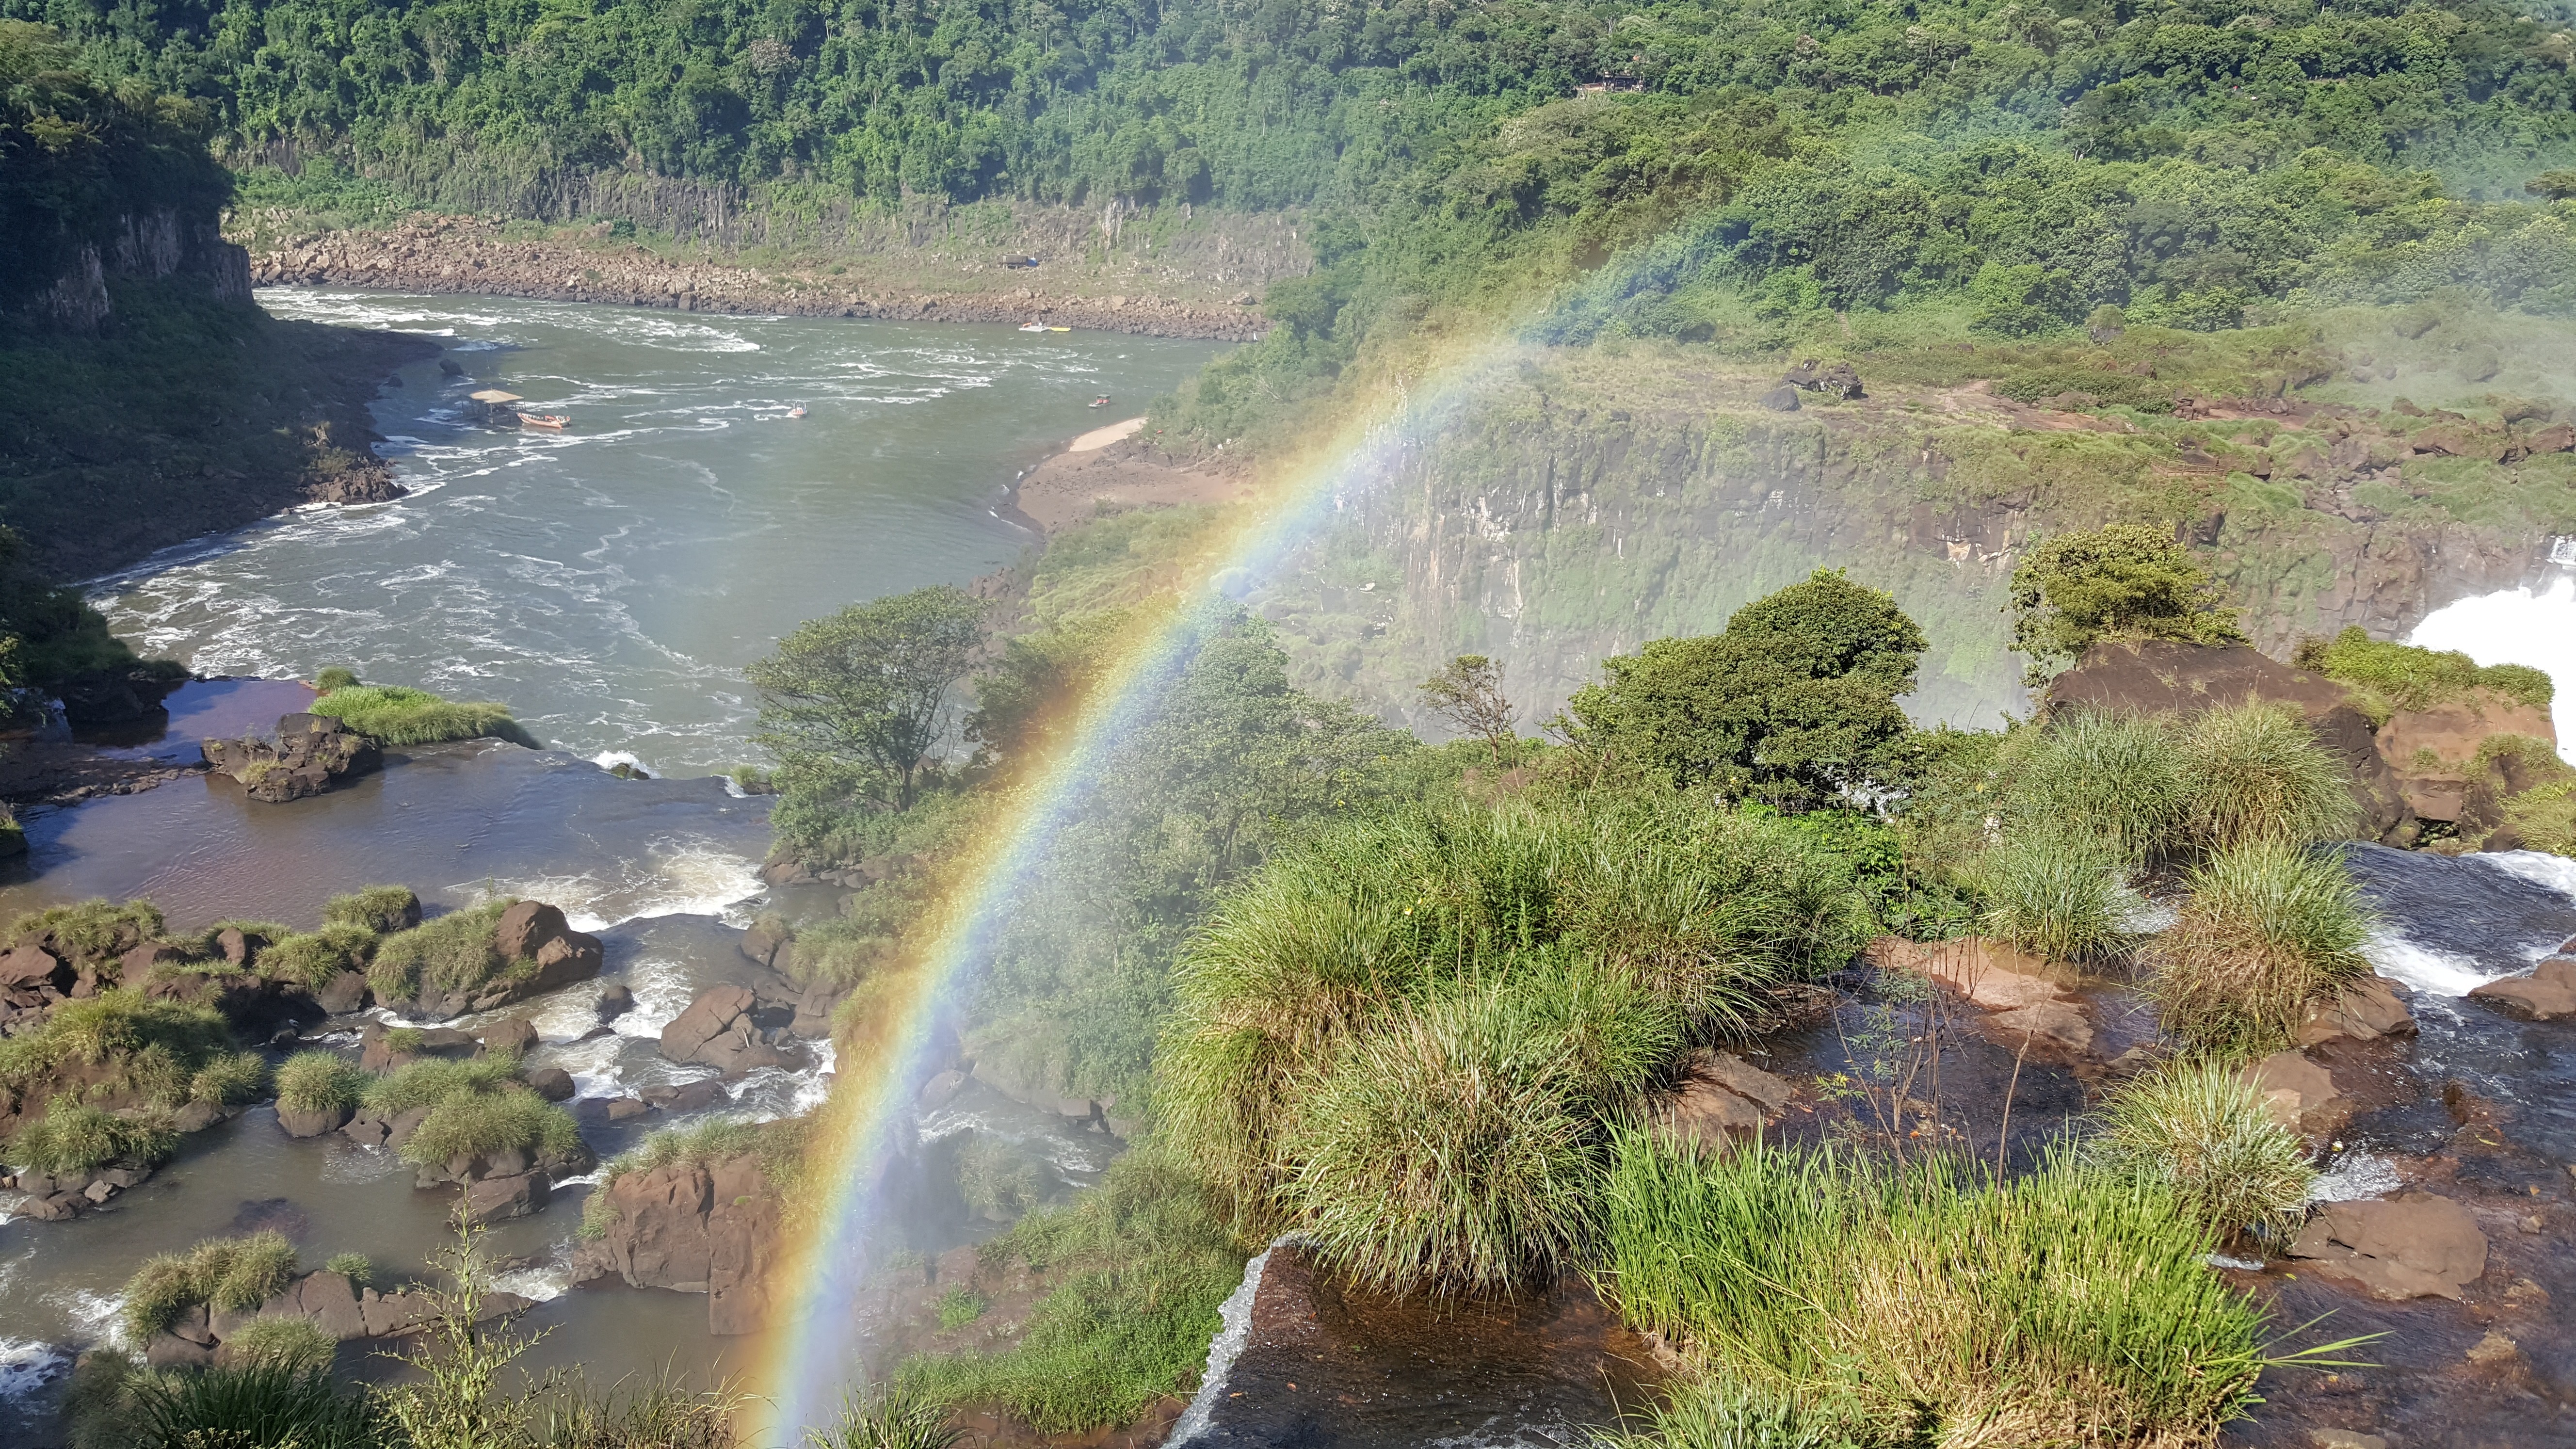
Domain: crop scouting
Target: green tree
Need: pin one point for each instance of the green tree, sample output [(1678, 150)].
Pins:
[(867, 686), (2121, 581), (1794, 700), (1469, 694)]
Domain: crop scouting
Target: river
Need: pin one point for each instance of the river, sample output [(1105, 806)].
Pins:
[(610, 581)]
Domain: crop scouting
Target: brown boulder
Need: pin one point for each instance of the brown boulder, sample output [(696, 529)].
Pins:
[(2365, 1010), (311, 754), (2414, 1246), (526, 927), (512, 1037), (2547, 994), (2160, 676), (708, 1017), (329, 1301), (301, 1122), (615, 1000), (493, 1199), (28, 967), (762, 940), (552, 1083), (2291, 1085), (711, 1229), (345, 992)]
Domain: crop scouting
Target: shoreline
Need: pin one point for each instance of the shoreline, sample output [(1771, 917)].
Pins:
[(463, 256), (1114, 469)]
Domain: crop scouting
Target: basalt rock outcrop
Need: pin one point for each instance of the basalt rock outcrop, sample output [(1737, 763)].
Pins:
[(59, 1197), (2547, 994), (312, 753), (722, 1029), (329, 1301), (2416, 1245), (2159, 676), (709, 1228)]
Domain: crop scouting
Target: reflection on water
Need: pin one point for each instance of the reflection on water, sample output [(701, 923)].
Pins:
[(610, 582)]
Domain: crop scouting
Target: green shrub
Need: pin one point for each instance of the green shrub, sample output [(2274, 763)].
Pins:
[(291, 1343), (253, 1406), (380, 909), (453, 952), (2268, 931), (2397, 676), (320, 1081), (2056, 895), (1441, 1151), (891, 1418), (230, 1080), (1141, 1264), (484, 1123), (334, 678), (92, 933), (2258, 773), (393, 715), (2204, 1129), (2114, 778), (74, 1138), (253, 1270), (358, 1268), (313, 959), (1914, 1303), (2121, 581)]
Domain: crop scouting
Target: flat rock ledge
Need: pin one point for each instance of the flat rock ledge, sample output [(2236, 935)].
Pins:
[(329, 1301), (2415, 1245)]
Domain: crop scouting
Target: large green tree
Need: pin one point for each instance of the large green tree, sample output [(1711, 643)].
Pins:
[(866, 687), (1795, 699), (2123, 581)]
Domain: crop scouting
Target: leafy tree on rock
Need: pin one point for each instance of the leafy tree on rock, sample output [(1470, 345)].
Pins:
[(1794, 700), (867, 685), (2122, 581), (1469, 694)]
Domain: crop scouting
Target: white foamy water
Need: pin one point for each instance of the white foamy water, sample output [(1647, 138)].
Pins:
[(2517, 626), (2355, 1176), (26, 1365), (610, 582), (666, 877), (2442, 973)]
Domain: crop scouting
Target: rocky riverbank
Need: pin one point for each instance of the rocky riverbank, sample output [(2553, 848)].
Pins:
[(471, 255)]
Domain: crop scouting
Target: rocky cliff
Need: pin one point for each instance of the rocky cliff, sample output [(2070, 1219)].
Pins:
[(1595, 502), (159, 243)]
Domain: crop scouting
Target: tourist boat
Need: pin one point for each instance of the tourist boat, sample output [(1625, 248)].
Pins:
[(1033, 327), (552, 421), (1101, 401), (797, 411)]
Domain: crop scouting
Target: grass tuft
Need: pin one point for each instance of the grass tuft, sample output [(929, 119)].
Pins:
[(2258, 774), (290, 1343), (313, 959), (2116, 779), (266, 1402), (236, 1274), (2268, 931), (74, 1138), (393, 715), (2056, 895), (481, 1124), (380, 909), (453, 952), (1920, 1303), (317, 1081), (2203, 1129)]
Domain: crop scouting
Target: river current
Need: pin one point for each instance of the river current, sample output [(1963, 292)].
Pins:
[(610, 581)]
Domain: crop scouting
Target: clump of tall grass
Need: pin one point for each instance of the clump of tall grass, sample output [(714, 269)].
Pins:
[(658, 1413), (892, 1418), (2258, 774), (453, 952), (73, 1138), (2268, 931), (482, 1124), (1695, 911), (1924, 1303), (93, 932), (1441, 1151), (1141, 1264), (394, 715), (291, 1343), (1709, 1412), (230, 1080), (379, 909), (313, 958), (231, 1274), (261, 1403), (2057, 895), (320, 1081), (154, 1048), (2202, 1128), (2114, 778), (432, 1080)]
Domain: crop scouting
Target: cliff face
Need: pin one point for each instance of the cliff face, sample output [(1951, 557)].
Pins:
[(151, 246), (1597, 503)]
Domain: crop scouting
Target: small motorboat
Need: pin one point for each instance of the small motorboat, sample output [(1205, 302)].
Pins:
[(1101, 401), (1033, 327), (553, 422), (797, 411)]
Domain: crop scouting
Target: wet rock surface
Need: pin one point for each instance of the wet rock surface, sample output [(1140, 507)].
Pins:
[(709, 1228), (310, 754), (1321, 1363)]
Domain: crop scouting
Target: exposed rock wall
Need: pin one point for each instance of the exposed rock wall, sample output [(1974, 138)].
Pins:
[(693, 1228), (146, 247)]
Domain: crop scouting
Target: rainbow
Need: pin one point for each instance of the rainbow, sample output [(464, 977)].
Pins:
[(807, 1360)]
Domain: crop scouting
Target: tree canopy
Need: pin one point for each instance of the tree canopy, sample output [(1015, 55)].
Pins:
[(2122, 581), (867, 685), (1795, 699)]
